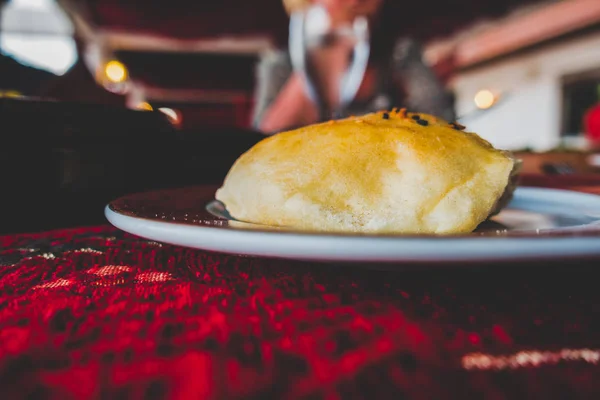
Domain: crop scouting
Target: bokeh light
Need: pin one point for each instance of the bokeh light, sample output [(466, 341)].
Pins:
[(484, 99), (115, 71), (144, 106)]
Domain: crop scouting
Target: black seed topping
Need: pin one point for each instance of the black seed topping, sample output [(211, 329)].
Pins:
[(457, 126), (422, 122), (386, 116), (416, 117)]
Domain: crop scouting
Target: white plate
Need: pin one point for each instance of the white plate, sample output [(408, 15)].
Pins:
[(538, 223)]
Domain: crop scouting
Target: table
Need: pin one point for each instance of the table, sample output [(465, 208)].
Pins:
[(93, 312)]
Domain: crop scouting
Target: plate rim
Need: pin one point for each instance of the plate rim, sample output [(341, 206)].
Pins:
[(397, 249), (581, 231), (456, 249)]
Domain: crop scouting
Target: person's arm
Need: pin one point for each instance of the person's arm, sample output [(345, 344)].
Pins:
[(280, 101), (424, 91)]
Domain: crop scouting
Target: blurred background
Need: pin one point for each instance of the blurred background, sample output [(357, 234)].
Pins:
[(99, 98)]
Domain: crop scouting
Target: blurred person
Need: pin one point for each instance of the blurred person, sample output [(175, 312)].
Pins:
[(395, 76)]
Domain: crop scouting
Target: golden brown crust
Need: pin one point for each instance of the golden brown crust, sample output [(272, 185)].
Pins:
[(386, 172)]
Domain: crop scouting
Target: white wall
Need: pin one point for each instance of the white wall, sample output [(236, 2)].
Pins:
[(530, 115)]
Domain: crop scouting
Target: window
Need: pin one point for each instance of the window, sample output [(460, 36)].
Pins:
[(38, 33)]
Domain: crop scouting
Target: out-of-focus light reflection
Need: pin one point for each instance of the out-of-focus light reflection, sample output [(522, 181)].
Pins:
[(172, 114), (484, 99), (144, 106), (115, 71), (10, 94), (533, 358)]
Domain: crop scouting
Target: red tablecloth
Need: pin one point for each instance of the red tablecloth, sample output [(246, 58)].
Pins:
[(96, 313)]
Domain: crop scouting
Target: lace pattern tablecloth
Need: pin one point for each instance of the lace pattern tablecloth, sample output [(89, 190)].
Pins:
[(97, 313)]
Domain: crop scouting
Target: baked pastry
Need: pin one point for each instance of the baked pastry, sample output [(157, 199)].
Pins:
[(385, 172)]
